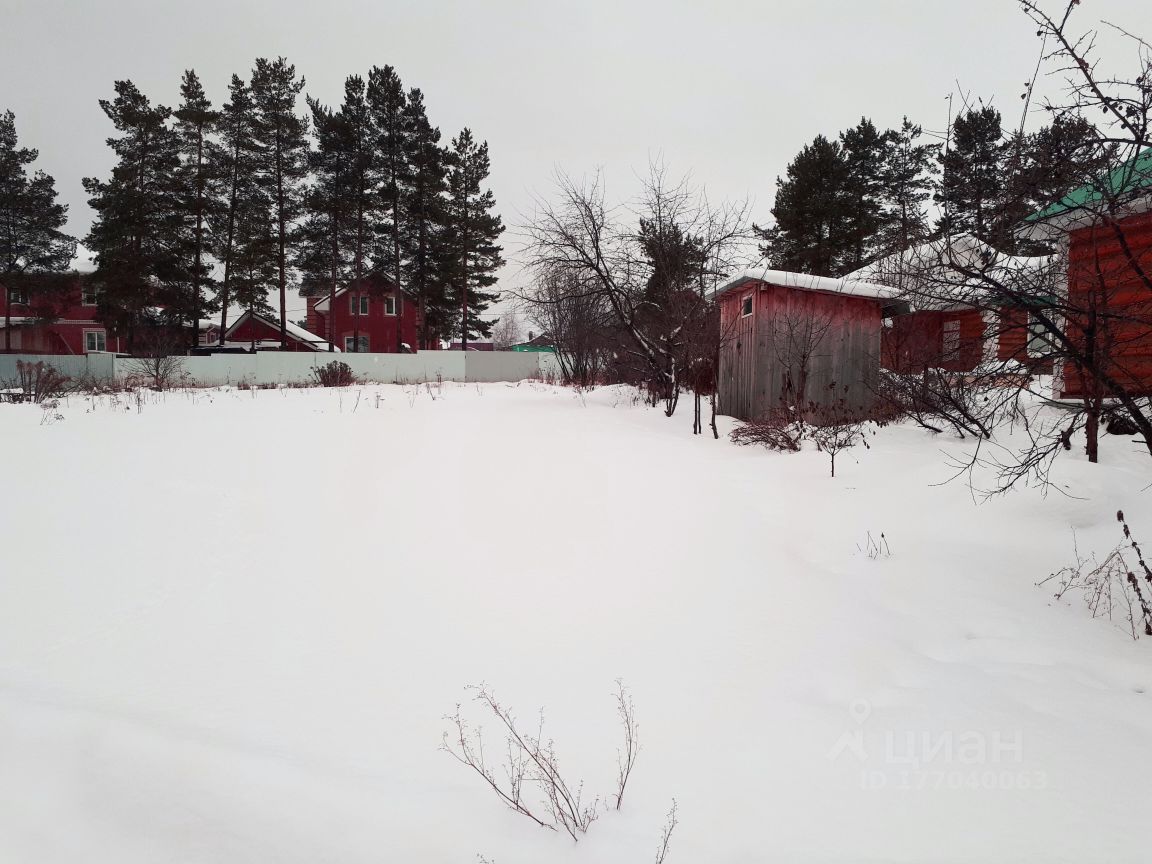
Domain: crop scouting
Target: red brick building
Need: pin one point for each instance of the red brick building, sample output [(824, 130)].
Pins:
[(381, 316)]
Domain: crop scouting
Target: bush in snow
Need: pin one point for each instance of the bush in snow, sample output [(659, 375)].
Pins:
[(334, 374), (779, 429), (1112, 588), (532, 763), (837, 437), (833, 428), (39, 382), (161, 372)]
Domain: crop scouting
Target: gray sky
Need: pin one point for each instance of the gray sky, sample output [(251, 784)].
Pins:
[(727, 90)]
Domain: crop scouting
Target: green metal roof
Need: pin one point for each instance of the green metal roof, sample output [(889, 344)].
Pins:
[(1133, 176)]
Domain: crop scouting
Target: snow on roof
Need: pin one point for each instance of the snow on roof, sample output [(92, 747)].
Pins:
[(808, 282), (957, 271), (294, 330), (298, 332)]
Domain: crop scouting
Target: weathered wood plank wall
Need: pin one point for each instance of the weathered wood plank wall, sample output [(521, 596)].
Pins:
[(797, 347)]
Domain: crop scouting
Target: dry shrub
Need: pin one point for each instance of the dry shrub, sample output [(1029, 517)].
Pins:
[(39, 382), (780, 429), (334, 374), (1111, 588), (938, 400), (161, 372), (530, 763)]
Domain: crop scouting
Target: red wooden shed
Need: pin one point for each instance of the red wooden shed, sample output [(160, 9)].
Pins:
[(800, 340)]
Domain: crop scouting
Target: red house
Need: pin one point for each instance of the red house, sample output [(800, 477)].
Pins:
[(953, 320), (56, 322), (798, 340), (1106, 231), (262, 332), (384, 318)]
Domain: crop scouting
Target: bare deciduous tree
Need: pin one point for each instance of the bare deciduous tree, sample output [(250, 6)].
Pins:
[(576, 320), (160, 372), (506, 331), (654, 276)]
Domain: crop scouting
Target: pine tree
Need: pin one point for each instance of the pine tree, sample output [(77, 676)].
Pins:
[(388, 103), (283, 144), (235, 163), (675, 259), (422, 228), (198, 189), (31, 219), (907, 181), (1060, 157), (135, 234), (472, 231), (973, 185), (863, 149), (255, 255), (811, 232), (363, 188), (324, 247)]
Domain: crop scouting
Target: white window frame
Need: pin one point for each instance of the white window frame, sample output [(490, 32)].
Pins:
[(389, 305), (17, 297), (747, 302), (87, 291), (102, 336), (1035, 335), (364, 340), (363, 298)]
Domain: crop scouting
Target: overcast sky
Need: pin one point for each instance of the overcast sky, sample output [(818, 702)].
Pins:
[(727, 90)]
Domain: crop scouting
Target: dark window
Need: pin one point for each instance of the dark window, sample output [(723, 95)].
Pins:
[(951, 341)]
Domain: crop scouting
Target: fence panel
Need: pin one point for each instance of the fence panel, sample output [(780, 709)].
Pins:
[(501, 365), (75, 366), (289, 367)]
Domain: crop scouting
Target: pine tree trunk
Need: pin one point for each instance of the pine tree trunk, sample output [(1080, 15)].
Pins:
[(398, 308), (464, 264), (357, 263), (225, 297), (199, 238), (332, 286), (281, 225)]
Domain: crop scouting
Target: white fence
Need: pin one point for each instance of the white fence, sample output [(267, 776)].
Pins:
[(274, 367)]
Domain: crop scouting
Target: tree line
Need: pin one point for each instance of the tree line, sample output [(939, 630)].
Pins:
[(210, 207), (866, 194)]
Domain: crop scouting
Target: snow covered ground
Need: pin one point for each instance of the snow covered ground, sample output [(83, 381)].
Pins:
[(231, 624)]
